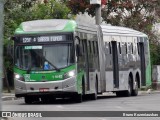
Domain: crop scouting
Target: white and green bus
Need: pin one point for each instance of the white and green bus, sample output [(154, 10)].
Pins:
[(62, 58)]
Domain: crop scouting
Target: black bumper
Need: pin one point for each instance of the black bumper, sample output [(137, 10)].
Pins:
[(41, 94)]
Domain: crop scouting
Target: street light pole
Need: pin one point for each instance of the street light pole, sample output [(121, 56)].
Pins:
[(1, 50), (98, 10), (98, 14)]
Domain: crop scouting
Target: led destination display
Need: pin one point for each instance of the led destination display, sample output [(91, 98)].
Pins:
[(44, 39)]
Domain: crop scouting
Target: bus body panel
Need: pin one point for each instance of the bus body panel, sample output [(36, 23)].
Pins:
[(87, 36), (68, 85), (128, 63), (109, 55)]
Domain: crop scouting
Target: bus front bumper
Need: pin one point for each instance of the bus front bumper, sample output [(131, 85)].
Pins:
[(56, 88), (43, 94)]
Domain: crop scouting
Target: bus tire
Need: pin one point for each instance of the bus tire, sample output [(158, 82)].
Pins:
[(135, 91), (28, 100), (129, 91), (78, 98)]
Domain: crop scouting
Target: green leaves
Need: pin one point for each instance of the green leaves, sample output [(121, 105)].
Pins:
[(137, 14), (26, 11), (18, 11)]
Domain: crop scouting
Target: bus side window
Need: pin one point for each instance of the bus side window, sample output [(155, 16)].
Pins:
[(91, 47), (132, 48), (138, 48), (146, 45), (97, 47), (126, 48), (88, 46), (81, 46), (110, 50), (94, 52), (106, 48), (119, 46), (94, 48)]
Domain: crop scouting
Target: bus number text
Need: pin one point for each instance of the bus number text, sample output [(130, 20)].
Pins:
[(26, 40)]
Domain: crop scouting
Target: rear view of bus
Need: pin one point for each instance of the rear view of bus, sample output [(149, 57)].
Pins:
[(44, 58)]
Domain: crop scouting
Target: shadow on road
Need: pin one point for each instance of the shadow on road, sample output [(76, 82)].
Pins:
[(85, 99), (107, 97), (70, 101)]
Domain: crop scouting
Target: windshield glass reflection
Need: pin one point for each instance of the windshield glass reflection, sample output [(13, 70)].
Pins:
[(44, 57)]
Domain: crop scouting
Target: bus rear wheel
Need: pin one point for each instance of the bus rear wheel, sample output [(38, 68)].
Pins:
[(130, 87), (135, 91)]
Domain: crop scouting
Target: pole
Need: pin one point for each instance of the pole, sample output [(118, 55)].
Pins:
[(98, 14), (1, 50)]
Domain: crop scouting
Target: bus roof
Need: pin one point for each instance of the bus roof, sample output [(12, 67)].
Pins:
[(116, 30), (65, 25), (46, 26)]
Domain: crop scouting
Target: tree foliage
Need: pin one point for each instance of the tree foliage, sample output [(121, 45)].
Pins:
[(137, 14), (122, 12), (17, 11)]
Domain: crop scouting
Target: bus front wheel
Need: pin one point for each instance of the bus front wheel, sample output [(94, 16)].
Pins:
[(28, 100)]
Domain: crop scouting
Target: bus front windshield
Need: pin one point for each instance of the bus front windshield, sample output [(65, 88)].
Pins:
[(44, 57)]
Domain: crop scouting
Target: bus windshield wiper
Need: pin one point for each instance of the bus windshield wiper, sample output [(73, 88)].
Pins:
[(29, 69), (57, 69)]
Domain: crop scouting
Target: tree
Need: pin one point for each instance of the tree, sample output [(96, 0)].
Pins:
[(17, 11), (117, 12), (137, 14)]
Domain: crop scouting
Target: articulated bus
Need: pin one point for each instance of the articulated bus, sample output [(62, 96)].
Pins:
[(58, 58)]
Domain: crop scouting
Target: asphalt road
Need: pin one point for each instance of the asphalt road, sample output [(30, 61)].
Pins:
[(142, 102)]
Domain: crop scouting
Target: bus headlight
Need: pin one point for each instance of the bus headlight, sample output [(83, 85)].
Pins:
[(69, 74), (18, 77)]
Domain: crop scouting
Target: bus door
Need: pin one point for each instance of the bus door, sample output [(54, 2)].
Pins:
[(86, 60), (142, 62), (115, 64)]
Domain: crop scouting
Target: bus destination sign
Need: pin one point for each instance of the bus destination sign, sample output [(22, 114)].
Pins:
[(43, 39)]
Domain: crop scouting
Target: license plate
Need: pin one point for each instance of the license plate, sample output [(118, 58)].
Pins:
[(43, 89)]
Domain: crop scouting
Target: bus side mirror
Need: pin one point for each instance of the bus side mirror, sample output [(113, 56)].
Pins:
[(78, 50)]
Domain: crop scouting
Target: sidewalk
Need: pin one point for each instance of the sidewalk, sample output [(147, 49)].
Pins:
[(8, 96), (11, 96), (149, 92)]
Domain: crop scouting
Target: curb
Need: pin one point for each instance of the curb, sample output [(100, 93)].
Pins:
[(6, 98), (148, 92)]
